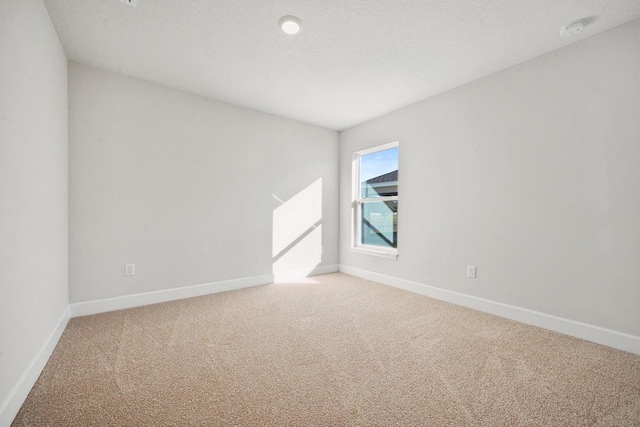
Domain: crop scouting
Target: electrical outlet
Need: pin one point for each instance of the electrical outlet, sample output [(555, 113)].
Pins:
[(471, 271), (129, 269)]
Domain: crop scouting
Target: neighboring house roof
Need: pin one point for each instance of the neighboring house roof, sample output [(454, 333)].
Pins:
[(387, 177)]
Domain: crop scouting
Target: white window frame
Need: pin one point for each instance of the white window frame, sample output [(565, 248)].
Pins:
[(357, 201)]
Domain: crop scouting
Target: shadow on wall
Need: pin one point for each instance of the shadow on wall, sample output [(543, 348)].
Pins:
[(297, 234)]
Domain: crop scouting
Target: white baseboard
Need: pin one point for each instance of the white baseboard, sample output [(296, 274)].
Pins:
[(325, 269), (17, 395), (294, 275), (136, 300), (608, 337)]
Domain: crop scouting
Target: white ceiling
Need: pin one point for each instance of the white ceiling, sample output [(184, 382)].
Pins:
[(353, 61)]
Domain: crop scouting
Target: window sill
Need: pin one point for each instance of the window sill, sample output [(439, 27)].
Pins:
[(379, 253)]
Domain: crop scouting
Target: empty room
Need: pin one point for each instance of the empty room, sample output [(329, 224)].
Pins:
[(319, 213)]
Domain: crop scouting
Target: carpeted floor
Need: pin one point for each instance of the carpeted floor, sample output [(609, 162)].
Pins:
[(338, 352)]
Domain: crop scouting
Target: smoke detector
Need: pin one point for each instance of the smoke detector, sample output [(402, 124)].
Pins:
[(572, 29)]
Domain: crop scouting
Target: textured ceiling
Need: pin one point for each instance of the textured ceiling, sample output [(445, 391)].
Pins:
[(353, 61)]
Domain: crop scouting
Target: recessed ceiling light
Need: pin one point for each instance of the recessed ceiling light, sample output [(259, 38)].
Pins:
[(290, 24), (571, 29)]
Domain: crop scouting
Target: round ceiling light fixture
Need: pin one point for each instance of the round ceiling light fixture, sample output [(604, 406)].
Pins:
[(571, 29), (290, 24)]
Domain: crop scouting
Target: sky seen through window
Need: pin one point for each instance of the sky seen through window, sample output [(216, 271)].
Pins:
[(378, 163)]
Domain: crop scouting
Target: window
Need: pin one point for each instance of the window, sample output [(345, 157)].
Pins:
[(375, 207)]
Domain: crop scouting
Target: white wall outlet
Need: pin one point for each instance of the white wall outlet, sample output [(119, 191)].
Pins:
[(471, 271), (129, 269)]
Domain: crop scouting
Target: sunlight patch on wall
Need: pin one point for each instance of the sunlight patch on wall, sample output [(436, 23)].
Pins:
[(297, 234), (301, 259)]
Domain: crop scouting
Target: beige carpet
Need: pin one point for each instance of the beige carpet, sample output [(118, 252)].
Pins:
[(339, 352)]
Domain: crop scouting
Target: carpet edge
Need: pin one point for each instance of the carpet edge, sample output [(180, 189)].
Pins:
[(86, 308), (608, 337), (12, 403)]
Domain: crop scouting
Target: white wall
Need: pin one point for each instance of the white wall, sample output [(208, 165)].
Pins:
[(33, 189), (183, 186), (531, 174)]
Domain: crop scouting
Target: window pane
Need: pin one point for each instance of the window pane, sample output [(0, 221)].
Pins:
[(379, 224), (379, 174)]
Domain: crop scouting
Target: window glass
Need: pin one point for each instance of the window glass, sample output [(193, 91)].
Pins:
[(376, 194), (379, 224), (379, 174)]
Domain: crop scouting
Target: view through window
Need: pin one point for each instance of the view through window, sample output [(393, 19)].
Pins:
[(376, 222)]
